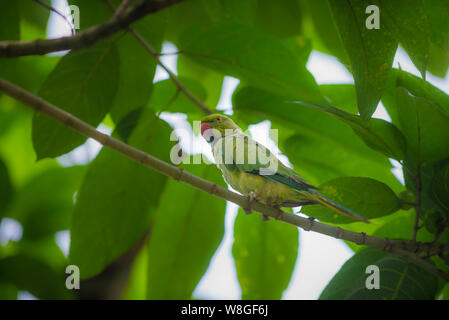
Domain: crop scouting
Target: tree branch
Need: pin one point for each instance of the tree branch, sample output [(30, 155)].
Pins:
[(86, 38), (155, 55), (40, 105)]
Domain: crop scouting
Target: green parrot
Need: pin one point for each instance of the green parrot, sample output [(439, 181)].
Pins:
[(254, 171)]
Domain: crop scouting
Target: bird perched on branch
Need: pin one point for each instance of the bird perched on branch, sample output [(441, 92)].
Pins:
[(251, 169)]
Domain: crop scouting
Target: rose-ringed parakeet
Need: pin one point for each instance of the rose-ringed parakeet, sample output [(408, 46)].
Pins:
[(254, 171)]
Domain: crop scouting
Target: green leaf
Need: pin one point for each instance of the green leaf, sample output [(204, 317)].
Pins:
[(378, 134), (316, 134), (401, 227), (83, 83), (21, 163), (137, 66), (252, 56), (424, 127), (137, 284), (184, 237), (370, 52), (343, 96), (34, 276), (9, 30), (8, 291), (319, 161), (128, 123), (211, 80), (35, 13), (366, 197), (440, 187), (437, 12), (399, 280), (445, 292), (421, 88), (407, 20), (167, 97), (117, 198), (264, 255), (6, 189), (27, 71), (44, 204), (269, 13), (249, 101), (9, 22), (320, 14)]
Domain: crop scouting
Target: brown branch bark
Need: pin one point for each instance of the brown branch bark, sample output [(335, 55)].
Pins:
[(40, 105), (86, 38)]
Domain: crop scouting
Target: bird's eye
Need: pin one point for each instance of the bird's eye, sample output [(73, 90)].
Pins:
[(211, 139), (218, 119)]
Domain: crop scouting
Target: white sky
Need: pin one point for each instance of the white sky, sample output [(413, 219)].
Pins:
[(320, 257)]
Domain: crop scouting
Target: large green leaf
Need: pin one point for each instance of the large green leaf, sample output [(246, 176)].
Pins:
[(370, 52), (211, 80), (184, 237), (44, 204), (320, 14), (136, 287), (264, 254), (117, 197), (21, 163), (367, 197), (6, 189), (440, 187), (407, 21), (83, 83), (9, 22), (9, 30), (378, 134), (399, 280), (34, 276), (268, 14), (438, 16), (319, 161), (167, 97), (23, 71), (35, 14), (252, 103), (137, 66), (252, 56), (317, 133), (424, 127), (424, 89)]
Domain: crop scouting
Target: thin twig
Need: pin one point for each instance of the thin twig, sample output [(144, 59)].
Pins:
[(179, 174), (172, 76), (86, 38), (72, 30)]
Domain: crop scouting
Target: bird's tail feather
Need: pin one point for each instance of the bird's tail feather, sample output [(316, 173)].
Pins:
[(332, 205)]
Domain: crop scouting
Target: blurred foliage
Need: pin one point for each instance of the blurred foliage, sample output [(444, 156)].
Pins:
[(113, 206)]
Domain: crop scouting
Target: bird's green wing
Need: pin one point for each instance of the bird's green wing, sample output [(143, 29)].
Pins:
[(241, 152)]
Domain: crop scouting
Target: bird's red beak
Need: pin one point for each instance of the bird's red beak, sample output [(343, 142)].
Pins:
[(204, 128)]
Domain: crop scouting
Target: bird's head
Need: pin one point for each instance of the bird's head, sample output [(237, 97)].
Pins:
[(217, 125)]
